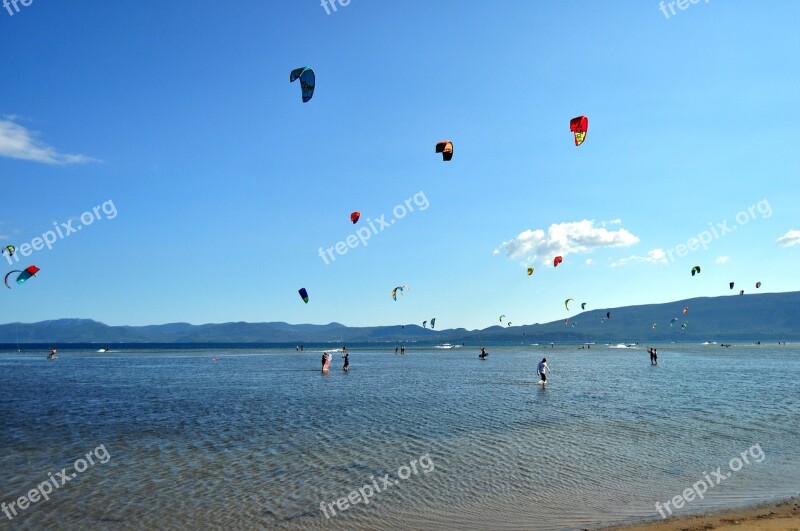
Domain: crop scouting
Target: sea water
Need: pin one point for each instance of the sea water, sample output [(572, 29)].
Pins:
[(261, 439)]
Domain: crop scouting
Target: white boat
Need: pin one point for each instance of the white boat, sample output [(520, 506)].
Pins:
[(445, 345)]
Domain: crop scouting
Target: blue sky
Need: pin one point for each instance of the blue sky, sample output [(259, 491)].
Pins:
[(225, 185)]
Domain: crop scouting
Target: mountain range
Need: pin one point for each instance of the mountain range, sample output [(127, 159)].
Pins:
[(768, 316)]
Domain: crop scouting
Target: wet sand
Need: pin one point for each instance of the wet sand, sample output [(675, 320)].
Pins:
[(778, 516)]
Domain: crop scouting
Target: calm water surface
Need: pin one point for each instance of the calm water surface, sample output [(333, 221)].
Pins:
[(259, 439)]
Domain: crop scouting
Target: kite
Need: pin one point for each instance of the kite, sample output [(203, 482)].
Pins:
[(684, 325), (530, 271), (671, 323), (731, 285), (424, 324), (509, 323), (307, 81), (695, 270), (354, 217), (685, 309), (758, 285), (445, 147), (741, 292), (10, 249), (608, 315), (583, 306), (566, 321), (24, 275), (654, 326), (303, 294), (557, 260), (433, 322), (579, 126), (501, 317), (566, 303), (394, 291)]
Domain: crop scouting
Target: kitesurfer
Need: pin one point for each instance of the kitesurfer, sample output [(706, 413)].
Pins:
[(346, 357)]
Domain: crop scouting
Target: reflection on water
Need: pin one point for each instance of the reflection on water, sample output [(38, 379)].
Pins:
[(261, 439)]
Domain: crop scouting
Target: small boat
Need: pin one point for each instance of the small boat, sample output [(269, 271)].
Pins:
[(445, 345)]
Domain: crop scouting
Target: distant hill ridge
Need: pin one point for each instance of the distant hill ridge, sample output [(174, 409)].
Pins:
[(767, 316)]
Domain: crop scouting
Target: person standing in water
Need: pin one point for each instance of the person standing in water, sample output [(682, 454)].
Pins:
[(541, 369), (655, 356), (52, 354), (324, 360), (346, 357)]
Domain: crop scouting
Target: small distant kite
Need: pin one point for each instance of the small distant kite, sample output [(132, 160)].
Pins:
[(354, 217), (684, 325), (433, 322), (307, 81), (654, 326), (10, 249), (741, 292), (501, 317), (424, 324), (695, 270), (579, 126), (566, 321), (445, 147), (400, 288), (557, 260), (731, 285), (758, 285), (583, 306), (530, 271), (303, 294), (566, 303), (685, 309), (24, 275), (608, 315), (672, 323), (509, 323)]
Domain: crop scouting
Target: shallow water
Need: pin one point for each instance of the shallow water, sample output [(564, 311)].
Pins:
[(260, 439)]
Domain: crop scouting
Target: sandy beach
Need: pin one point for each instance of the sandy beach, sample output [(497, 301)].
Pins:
[(778, 516)]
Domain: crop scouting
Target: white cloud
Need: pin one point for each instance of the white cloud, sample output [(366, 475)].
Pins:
[(589, 261), (495, 252), (565, 238), (655, 256), (722, 260), (790, 239), (16, 142)]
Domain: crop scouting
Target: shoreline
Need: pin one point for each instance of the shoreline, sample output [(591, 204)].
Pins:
[(783, 515)]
